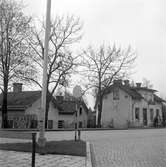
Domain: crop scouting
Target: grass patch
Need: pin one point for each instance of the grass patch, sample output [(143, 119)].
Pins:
[(71, 147)]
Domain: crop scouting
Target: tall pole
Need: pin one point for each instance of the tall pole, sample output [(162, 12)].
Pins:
[(42, 139)]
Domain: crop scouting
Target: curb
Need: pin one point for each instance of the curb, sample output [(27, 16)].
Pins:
[(88, 155)]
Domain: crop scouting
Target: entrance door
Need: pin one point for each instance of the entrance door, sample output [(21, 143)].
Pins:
[(145, 121)]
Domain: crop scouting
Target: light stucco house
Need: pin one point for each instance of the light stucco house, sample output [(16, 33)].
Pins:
[(24, 110), (130, 106)]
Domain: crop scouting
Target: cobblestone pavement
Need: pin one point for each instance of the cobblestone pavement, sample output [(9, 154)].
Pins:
[(129, 148), (124, 148), (16, 159)]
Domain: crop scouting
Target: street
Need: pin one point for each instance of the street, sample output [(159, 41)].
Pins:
[(124, 148), (111, 148)]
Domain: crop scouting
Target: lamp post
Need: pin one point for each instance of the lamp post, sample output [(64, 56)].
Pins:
[(42, 139)]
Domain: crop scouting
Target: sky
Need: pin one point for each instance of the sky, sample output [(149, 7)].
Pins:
[(139, 23)]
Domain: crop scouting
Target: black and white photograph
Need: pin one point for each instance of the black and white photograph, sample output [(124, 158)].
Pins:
[(82, 83)]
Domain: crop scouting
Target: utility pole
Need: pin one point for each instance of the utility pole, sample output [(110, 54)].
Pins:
[(42, 139)]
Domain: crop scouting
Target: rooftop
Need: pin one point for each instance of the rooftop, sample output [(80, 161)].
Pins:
[(22, 99)]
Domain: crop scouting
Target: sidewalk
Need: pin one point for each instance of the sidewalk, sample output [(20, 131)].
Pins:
[(23, 159), (17, 159)]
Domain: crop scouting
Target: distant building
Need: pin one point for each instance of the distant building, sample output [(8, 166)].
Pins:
[(130, 106), (24, 110)]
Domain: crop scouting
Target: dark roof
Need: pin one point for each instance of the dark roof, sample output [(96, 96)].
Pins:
[(132, 92), (68, 107), (145, 88), (158, 99), (129, 90), (21, 99)]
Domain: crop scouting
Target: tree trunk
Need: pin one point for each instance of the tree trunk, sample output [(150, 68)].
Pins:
[(99, 113), (100, 107), (4, 105)]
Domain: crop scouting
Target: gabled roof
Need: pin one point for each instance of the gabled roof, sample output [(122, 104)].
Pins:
[(21, 99), (145, 89), (158, 99), (129, 90), (68, 107)]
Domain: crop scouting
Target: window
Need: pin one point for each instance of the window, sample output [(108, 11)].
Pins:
[(126, 96), (75, 125), (61, 123), (116, 94), (50, 124), (33, 124), (80, 112), (137, 113), (151, 114), (80, 124), (10, 123), (157, 112)]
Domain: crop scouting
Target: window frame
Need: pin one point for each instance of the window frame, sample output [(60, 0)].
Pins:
[(50, 124), (137, 113), (151, 114), (80, 111)]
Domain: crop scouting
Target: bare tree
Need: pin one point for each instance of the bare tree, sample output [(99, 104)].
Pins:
[(14, 27), (61, 62), (103, 66)]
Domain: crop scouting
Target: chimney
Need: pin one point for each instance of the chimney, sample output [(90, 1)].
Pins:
[(59, 98), (126, 82), (118, 82), (17, 87), (138, 84)]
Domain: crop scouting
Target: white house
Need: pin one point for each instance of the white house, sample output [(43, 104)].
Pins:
[(126, 106), (24, 110)]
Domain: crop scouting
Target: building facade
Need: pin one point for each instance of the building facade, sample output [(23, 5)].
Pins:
[(24, 110), (130, 106)]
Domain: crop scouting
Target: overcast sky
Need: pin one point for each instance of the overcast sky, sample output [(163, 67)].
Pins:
[(139, 23)]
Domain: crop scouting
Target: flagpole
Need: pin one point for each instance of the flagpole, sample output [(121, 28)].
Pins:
[(42, 139)]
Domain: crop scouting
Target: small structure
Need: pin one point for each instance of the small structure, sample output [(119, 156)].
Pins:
[(72, 113), (130, 106)]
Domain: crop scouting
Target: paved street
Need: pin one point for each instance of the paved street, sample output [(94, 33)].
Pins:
[(125, 148), (112, 148), (129, 148)]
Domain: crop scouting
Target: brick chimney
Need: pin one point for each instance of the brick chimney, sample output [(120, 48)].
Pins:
[(138, 84), (126, 82), (59, 98), (118, 82), (17, 87)]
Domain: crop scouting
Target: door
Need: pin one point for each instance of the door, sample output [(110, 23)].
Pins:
[(145, 121)]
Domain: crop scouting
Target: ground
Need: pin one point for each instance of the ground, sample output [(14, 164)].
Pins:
[(130, 148), (116, 148)]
